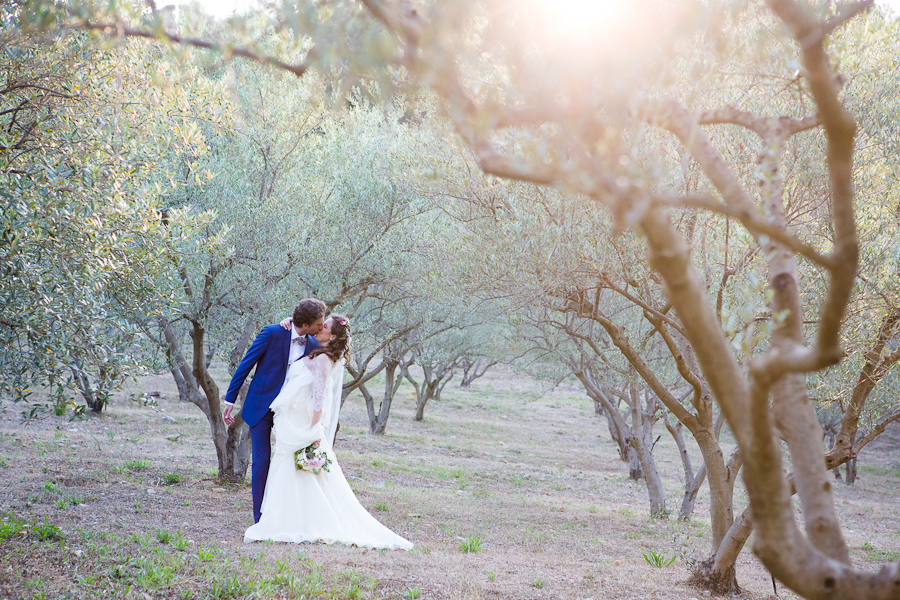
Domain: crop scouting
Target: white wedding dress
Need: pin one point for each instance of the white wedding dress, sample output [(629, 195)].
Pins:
[(299, 506)]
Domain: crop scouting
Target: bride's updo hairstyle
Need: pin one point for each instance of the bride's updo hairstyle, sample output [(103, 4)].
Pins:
[(339, 346)]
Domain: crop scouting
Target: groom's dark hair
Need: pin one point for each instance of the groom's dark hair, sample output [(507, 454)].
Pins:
[(308, 311)]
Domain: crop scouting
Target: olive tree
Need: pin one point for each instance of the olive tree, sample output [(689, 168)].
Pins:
[(79, 230)]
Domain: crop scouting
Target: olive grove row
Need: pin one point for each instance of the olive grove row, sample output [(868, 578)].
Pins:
[(694, 214)]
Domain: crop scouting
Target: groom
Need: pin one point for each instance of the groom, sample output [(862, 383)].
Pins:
[(273, 350)]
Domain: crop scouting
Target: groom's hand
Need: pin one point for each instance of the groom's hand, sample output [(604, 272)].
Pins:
[(227, 414)]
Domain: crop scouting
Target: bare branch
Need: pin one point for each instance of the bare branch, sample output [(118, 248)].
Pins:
[(120, 30), (674, 117), (646, 307), (493, 164), (788, 126), (731, 115), (846, 13), (752, 220), (875, 367), (620, 339), (680, 362), (840, 129), (876, 431), (792, 126), (502, 118), (22, 86)]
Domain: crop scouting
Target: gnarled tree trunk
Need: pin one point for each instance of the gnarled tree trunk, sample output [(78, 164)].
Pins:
[(473, 369), (619, 430), (434, 378), (642, 421)]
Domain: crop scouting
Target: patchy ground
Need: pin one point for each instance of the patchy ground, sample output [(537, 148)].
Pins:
[(126, 505)]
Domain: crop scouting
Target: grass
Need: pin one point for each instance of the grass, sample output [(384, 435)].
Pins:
[(206, 554), (891, 471), (11, 526), (136, 465), (179, 542), (172, 478), (161, 574), (658, 559), (568, 521), (46, 531), (471, 544), (874, 554)]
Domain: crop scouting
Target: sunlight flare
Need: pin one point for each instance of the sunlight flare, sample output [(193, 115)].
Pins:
[(601, 28)]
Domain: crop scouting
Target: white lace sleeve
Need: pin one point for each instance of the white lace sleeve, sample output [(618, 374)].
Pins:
[(321, 368)]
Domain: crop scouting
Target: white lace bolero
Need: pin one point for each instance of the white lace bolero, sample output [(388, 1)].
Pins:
[(311, 385)]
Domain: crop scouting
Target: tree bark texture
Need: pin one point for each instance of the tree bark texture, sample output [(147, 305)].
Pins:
[(642, 422)]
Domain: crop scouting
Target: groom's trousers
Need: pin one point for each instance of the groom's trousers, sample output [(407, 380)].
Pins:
[(261, 447)]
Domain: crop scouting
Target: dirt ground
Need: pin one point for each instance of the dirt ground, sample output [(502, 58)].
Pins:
[(126, 505)]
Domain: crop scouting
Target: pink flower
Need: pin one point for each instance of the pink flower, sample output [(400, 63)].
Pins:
[(316, 462)]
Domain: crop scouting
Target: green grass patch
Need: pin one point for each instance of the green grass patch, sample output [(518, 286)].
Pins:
[(892, 471), (172, 478), (658, 559), (11, 527), (874, 554), (471, 544), (47, 531)]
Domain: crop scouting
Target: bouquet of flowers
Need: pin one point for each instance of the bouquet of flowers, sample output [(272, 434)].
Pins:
[(312, 459)]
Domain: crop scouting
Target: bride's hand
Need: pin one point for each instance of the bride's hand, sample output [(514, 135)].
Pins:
[(286, 323)]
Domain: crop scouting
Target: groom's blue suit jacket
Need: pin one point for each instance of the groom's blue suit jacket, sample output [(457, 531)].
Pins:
[(269, 352)]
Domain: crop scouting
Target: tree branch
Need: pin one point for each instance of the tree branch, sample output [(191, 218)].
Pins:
[(845, 14), (732, 116), (228, 51), (752, 220)]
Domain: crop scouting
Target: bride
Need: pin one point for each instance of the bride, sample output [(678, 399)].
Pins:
[(299, 506)]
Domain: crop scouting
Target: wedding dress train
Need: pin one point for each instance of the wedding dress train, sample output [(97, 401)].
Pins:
[(299, 506)]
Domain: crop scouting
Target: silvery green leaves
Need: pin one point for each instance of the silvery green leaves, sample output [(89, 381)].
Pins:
[(79, 224)]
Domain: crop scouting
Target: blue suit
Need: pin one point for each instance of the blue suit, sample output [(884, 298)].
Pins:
[(269, 353)]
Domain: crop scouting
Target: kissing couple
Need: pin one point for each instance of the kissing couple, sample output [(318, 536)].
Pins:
[(296, 392)]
